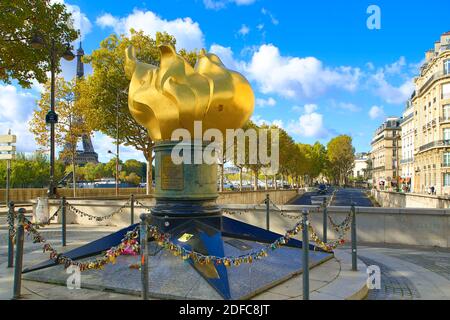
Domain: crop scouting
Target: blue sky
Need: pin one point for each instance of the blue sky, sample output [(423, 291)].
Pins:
[(315, 67)]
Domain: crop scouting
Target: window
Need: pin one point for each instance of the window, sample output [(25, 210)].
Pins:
[(446, 159), (447, 134), (447, 112), (446, 91), (446, 179), (447, 66)]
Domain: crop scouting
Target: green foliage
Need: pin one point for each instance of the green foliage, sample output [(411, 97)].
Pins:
[(30, 171), (340, 158), (20, 20)]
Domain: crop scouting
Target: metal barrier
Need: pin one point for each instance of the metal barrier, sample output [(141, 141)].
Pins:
[(20, 233), (144, 255), (11, 219), (305, 247)]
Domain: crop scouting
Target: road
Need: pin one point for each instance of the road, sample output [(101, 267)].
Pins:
[(342, 197)]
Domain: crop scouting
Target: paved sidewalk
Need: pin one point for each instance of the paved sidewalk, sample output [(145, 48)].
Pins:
[(409, 273), (330, 280)]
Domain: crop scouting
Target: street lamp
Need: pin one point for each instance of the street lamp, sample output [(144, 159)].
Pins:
[(117, 170), (51, 118)]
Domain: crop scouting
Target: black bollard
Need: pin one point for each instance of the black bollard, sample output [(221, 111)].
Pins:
[(325, 222), (19, 254), (354, 252), (144, 256), (267, 201), (10, 234), (305, 247), (132, 209), (63, 221)]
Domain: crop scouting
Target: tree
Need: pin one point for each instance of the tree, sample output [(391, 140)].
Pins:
[(341, 157), (106, 89), (20, 21), (70, 124)]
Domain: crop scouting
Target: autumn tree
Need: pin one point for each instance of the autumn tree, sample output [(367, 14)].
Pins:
[(103, 95), (341, 157), (70, 126), (20, 22)]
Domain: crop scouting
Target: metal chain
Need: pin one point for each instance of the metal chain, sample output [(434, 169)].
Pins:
[(130, 241), (97, 218)]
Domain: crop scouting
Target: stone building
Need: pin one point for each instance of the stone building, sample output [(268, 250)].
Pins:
[(431, 103), (408, 132), (386, 154)]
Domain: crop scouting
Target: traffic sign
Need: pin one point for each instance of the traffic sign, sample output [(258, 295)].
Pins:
[(7, 138), (51, 117), (7, 156), (7, 148)]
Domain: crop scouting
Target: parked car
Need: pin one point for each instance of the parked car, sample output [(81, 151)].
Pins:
[(323, 189)]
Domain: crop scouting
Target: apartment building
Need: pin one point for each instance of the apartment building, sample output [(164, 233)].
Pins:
[(386, 155), (408, 134), (360, 165), (431, 103)]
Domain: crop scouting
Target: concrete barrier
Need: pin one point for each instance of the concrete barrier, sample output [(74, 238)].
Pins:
[(102, 207), (391, 199), (405, 226)]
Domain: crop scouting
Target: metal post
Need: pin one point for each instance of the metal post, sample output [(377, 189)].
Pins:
[(354, 252), (19, 254), (305, 247), (144, 256), (325, 222), (63, 221), (267, 201), (132, 209), (51, 193), (117, 143), (10, 234), (8, 174)]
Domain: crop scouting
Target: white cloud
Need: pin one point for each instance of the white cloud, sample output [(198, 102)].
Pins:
[(376, 112), (187, 32), (80, 20), (310, 124), (391, 93), (244, 30), (221, 4), (259, 121), (269, 102), (296, 77), (399, 70), (266, 12), (226, 55), (102, 143), (16, 107), (345, 106)]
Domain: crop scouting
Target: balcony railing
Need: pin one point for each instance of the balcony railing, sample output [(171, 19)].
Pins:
[(435, 144), (409, 160), (436, 76), (445, 165)]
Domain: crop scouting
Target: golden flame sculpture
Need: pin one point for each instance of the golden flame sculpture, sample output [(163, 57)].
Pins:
[(175, 94)]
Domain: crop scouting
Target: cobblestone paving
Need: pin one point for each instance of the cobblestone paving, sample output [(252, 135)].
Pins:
[(393, 286), (435, 261)]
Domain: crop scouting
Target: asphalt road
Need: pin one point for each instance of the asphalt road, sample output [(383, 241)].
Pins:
[(342, 197)]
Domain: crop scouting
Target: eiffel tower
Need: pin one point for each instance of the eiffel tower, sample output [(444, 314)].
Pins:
[(88, 153)]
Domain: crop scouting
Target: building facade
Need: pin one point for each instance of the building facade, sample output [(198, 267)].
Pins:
[(360, 166), (386, 155), (431, 103), (408, 134)]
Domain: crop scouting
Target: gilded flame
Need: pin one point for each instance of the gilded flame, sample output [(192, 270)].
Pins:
[(174, 95)]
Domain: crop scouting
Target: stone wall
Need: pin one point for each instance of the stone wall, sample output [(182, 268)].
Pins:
[(390, 199), (102, 207), (429, 227)]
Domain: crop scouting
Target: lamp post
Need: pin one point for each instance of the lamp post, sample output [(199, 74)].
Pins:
[(51, 118), (117, 168)]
